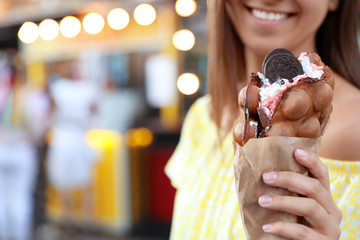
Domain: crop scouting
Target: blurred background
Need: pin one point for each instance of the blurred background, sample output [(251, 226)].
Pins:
[(92, 99)]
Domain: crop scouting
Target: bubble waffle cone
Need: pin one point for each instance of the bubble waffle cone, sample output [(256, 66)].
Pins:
[(279, 115), (303, 110)]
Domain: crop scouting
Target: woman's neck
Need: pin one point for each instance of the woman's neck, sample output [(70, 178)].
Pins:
[(253, 61)]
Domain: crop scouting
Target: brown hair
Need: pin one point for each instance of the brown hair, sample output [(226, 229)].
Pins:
[(336, 42), (226, 63)]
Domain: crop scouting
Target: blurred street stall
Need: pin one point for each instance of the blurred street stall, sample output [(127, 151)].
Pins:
[(92, 98)]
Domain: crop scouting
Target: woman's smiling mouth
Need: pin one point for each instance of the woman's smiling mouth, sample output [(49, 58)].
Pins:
[(269, 16)]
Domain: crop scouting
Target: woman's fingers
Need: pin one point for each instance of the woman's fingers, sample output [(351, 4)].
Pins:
[(293, 231), (317, 205), (303, 185), (315, 166), (311, 210), (320, 172)]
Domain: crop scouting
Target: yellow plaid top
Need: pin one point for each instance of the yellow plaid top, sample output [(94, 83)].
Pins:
[(206, 204)]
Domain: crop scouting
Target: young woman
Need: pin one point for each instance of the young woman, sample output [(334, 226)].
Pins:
[(241, 33)]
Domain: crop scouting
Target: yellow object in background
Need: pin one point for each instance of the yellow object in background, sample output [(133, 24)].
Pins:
[(110, 186), (139, 137), (170, 116), (36, 75)]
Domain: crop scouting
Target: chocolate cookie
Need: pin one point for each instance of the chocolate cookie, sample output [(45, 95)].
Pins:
[(280, 64), (273, 52)]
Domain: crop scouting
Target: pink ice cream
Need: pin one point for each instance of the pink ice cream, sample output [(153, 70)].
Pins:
[(270, 94)]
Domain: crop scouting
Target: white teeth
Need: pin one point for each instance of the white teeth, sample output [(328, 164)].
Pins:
[(270, 16)]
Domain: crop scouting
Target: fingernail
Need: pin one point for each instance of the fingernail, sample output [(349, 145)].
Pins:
[(265, 200), (266, 227), (303, 155), (269, 177)]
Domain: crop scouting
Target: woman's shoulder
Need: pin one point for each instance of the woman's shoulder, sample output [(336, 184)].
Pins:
[(201, 103), (197, 120), (341, 139), (199, 110)]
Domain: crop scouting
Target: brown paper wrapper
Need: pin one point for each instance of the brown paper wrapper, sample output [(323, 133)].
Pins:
[(256, 157)]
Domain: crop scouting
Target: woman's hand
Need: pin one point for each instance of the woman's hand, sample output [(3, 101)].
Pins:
[(317, 207)]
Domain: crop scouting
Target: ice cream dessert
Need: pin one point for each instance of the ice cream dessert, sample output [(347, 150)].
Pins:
[(292, 97)]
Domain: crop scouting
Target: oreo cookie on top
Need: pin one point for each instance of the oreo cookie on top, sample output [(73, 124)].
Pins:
[(281, 64)]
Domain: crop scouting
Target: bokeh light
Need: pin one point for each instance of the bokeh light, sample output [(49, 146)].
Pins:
[(118, 19), (188, 83), (140, 137), (28, 32), (183, 40), (70, 26), (103, 139), (185, 8), (48, 29), (93, 23), (144, 14)]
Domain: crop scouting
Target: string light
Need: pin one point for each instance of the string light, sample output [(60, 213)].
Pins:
[(144, 14), (185, 8), (183, 40), (28, 32), (48, 29), (93, 23), (70, 26), (118, 19), (188, 83)]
